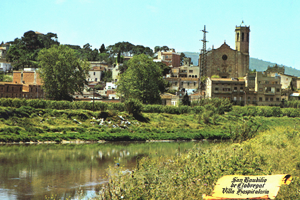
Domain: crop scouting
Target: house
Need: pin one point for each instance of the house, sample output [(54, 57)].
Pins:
[(230, 88), (170, 58), (169, 99), (95, 74), (25, 84)]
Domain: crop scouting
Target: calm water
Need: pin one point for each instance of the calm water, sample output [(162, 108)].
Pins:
[(66, 170)]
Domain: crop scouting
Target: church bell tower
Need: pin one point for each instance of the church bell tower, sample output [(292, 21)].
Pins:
[(242, 37)]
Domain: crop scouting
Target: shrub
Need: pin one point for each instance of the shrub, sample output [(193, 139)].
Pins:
[(133, 106)]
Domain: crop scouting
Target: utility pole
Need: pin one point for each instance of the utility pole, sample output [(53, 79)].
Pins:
[(93, 98), (203, 61)]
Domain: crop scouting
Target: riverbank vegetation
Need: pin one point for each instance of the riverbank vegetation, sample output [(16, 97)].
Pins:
[(189, 175), (41, 120)]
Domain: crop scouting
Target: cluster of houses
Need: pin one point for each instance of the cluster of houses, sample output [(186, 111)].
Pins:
[(226, 73)]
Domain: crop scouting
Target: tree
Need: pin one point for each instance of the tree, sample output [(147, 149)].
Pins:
[(182, 56), (142, 80), (102, 49), (165, 68), (186, 100), (23, 52), (156, 49), (62, 72)]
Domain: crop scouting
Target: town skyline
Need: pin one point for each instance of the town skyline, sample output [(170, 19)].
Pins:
[(273, 35)]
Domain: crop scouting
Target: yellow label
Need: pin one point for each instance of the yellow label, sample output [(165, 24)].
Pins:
[(243, 187)]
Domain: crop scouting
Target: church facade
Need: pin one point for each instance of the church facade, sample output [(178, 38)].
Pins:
[(226, 62)]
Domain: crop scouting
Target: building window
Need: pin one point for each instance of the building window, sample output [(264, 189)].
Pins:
[(175, 83), (189, 75), (260, 98), (190, 71), (194, 83), (271, 99), (267, 99), (277, 90), (234, 98), (266, 82), (195, 76), (243, 37), (216, 89), (95, 79), (182, 83), (260, 89), (277, 99), (237, 36), (94, 73)]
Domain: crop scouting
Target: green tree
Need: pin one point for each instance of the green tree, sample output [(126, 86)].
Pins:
[(102, 49), (23, 52), (142, 80), (182, 56), (156, 49), (186, 100), (62, 72)]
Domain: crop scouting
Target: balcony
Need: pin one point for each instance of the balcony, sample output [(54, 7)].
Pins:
[(269, 93)]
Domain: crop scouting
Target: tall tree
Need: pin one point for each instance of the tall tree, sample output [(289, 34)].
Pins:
[(23, 52), (62, 72), (142, 80), (182, 56), (102, 49), (156, 49)]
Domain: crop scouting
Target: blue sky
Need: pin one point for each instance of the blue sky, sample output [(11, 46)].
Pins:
[(274, 24)]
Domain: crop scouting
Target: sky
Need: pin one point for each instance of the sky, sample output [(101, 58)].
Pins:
[(274, 24)]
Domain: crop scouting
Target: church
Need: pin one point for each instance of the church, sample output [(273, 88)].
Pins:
[(226, 62)]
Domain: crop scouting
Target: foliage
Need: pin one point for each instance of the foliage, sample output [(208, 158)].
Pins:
[(133, 106), (106, 76), (215, 76), (142, 80), (126, 48), (182, 56), (23, 52), (102, 49), (186, 100), (62, 72), (196, 171)]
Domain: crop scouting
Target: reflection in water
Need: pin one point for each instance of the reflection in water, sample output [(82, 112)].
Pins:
[(66, 170)]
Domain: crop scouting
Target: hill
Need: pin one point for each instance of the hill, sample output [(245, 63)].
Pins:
[(259, 65)]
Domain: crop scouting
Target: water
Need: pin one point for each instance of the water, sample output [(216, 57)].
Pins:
[(69, 171)]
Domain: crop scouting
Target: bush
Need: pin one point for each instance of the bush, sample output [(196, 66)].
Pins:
[(133, 106)]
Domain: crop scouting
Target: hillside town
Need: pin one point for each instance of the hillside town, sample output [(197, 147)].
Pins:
[(221, 72)]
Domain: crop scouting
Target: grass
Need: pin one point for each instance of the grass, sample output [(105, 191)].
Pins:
[(190, 174)]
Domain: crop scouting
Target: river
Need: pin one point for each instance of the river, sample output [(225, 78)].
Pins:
[(70, 171)]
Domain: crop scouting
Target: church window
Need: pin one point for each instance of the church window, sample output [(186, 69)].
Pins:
[(243, 37), (224, 57), (237, 36)]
